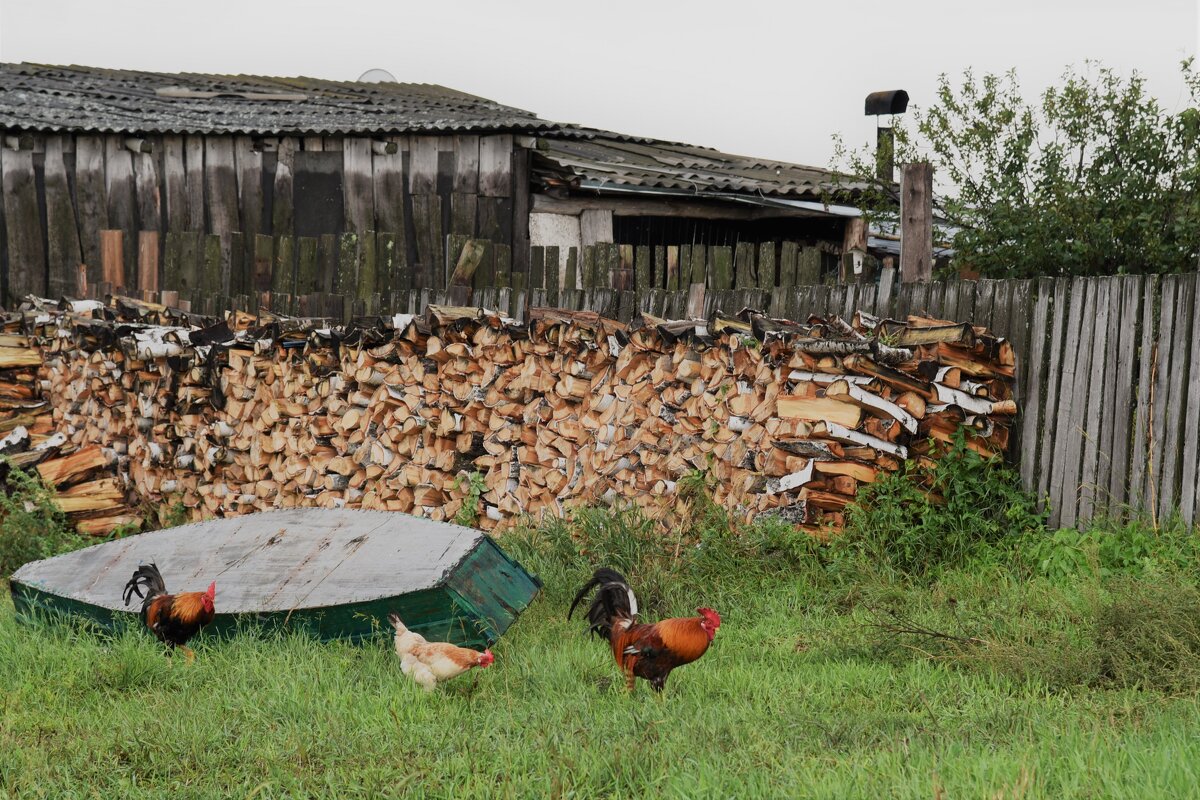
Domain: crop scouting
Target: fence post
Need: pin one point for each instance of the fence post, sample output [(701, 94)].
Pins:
[(916, 222)]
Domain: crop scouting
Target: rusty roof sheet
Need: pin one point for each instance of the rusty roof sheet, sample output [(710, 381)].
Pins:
[(42, 97), (592, 159)]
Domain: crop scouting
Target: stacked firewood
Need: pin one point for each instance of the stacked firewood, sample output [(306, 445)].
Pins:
[(463, 413), (87, 487)]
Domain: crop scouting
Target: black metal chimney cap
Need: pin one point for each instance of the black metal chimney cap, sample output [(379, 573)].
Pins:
[(893, 102)]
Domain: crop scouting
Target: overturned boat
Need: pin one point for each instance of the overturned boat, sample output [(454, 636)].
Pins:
[(332, 573)]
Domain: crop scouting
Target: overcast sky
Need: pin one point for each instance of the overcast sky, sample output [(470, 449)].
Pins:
[(774, 80)]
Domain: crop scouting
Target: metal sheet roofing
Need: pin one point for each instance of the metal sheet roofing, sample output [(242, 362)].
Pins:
[(593, 159), (75, 98), (42, 97)]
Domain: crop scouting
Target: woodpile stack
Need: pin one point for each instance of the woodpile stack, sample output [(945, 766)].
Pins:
[(247, 413), (85, 478)]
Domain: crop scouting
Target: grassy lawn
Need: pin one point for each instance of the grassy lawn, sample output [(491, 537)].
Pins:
[(790, 702)]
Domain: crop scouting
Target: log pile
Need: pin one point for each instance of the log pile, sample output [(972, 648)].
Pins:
[(243, 414), (85, 479)]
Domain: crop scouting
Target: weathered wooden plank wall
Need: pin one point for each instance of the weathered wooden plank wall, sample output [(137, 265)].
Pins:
[(62, 190)]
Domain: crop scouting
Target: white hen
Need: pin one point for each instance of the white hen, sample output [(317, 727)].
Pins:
[(429, 663)]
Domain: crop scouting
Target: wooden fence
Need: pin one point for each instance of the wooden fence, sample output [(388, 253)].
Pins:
[(352, 274)]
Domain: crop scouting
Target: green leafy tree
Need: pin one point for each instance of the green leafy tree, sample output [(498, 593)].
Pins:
[(1094, 177)]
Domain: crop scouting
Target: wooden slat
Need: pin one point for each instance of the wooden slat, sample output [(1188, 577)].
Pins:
[(283, 207), (496, 165), (537, 268), (147, 193), (23, 225), (1126, 359), (358, 187), (1177, 384), (385, 263), (642, 272), (122, 202), (1189, 473), (283, 273), (720, 272), (1110, 412), (1161, 392), (1091, 415), (422, 165), (349, 259), (147, 260), (112, 258), (765, 273), (588, 267), (502, 259), (264, 252), (307, 266), (62, 236), (466, 164), (553, 267), (571, 274), (90, 197), (365, 288), (1072, 451), (193, 151), (672, 267), (172, 262), (175, 197), (220, 183), (427, 223), (249, 165), (743, 270), (1143, 413), (1067, 308), (789, 260), (1033, 387)]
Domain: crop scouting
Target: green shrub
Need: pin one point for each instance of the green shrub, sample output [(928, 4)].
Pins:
[(1108, 547), (31, 524), (982, 510)]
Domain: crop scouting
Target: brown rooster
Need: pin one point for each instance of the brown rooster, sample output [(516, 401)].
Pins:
[(174, 618), (643, 651)]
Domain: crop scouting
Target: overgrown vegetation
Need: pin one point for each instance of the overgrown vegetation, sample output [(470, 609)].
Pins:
[(1094, 177), (31, 526), (473, 485), (948, 645), (927, 518)]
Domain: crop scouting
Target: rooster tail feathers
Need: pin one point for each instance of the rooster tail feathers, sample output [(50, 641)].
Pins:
[(145, 577), (394, 618), (614, 600)]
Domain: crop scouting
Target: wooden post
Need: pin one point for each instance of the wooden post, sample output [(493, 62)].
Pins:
[(916, 222)]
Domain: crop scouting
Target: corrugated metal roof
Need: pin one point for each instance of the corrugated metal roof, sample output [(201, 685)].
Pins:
[(594, 159), (41, 97)]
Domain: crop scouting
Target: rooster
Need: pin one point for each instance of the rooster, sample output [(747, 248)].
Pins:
[(643, 651), (430, 663), (174, 618)]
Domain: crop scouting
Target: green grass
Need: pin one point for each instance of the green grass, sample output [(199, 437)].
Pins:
[(790, 702), (1064, 665)]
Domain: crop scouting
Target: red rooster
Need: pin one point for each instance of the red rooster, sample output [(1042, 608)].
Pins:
[(644, 651), (174, 618)]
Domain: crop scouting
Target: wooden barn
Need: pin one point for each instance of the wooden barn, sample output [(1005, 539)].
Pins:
[(221, 189)]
